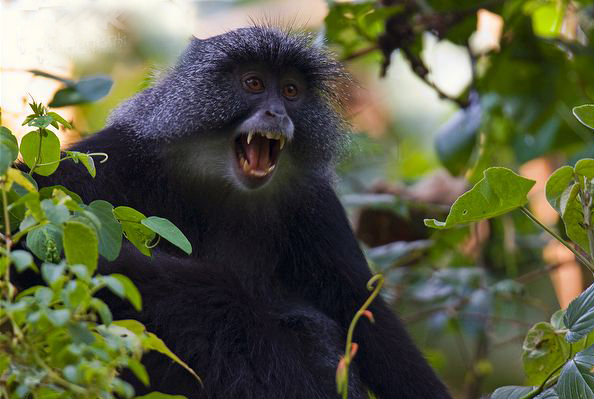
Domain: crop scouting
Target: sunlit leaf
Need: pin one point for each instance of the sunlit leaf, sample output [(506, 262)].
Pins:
[(585, 114), (557, 186), (500, 191), (34, 152), (81, 244)]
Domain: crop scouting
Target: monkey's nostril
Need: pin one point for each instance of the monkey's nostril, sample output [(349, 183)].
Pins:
[(270, 113)]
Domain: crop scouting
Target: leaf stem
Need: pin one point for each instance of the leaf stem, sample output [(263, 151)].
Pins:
[(585, 194), (38, 157), (378, 281), (93, 154), (583, 260), (547, 382), (7, 236)]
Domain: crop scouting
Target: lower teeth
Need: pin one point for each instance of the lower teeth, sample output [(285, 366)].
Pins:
[(245, 166)]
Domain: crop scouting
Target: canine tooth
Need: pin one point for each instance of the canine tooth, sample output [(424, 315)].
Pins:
[(245, 166), (250, 137), (282, 142), (270, 169)]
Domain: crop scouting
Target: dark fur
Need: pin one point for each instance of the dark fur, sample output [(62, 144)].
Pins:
[(261, 308)]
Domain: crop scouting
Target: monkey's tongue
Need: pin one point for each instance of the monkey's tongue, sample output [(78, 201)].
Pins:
[(258, 153)]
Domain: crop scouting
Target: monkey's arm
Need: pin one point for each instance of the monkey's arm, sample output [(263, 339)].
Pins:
[(329, 268)]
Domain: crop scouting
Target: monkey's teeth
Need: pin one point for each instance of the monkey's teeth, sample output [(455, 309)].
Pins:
[(270, 169), (282, 142), (250, 137), (245, 166), (258, 173)]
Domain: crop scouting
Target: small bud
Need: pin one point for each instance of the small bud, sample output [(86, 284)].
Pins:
[(341, 373), (354, 349), (369, 315)]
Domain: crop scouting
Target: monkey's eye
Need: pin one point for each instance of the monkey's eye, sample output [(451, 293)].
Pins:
[(253, 84), (290, 91)]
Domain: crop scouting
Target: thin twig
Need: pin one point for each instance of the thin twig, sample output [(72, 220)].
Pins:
[(360, 53), (583, 260)]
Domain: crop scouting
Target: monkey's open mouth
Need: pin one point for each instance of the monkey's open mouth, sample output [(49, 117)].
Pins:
[(257, 152)]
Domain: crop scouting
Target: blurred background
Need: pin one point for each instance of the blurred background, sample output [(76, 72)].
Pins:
[(444, 90)]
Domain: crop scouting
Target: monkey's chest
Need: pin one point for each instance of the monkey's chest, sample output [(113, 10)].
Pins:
[(250, 348)]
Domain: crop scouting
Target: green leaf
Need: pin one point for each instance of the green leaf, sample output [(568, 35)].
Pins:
[(51, 191), (498, 192), (110, 233), (9, 149), (58, 317), (86, 90), (66, 96), (168, 231), (46, 243), (139, 371), (155, 343), (41, 121), (579, 317), (585, 167), (125, 288), (550, 393), (576, 380), (511, 392), (103, 310), (80, 333), (22, 260), (52, 272), (94, 88), (49, 151), (557, 319), (23, 180), (558, 186), (544, 350), (573, 217), (85, 159), (585, 114), (60, 120), (56, 213), (547, 20), (81, 245), (135, 232)]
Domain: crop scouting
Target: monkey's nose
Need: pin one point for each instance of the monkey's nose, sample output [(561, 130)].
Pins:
[(274, 114)]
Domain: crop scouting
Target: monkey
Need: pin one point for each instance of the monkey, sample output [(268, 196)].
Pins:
[(236, 145)]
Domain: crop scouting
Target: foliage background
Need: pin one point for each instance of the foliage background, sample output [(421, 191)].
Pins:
[(467, 295)]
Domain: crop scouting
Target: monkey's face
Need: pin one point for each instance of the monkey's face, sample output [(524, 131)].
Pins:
[(251, 111), (259, 140)]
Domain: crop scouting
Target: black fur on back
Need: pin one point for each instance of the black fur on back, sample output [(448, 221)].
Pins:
[(262, 306)]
